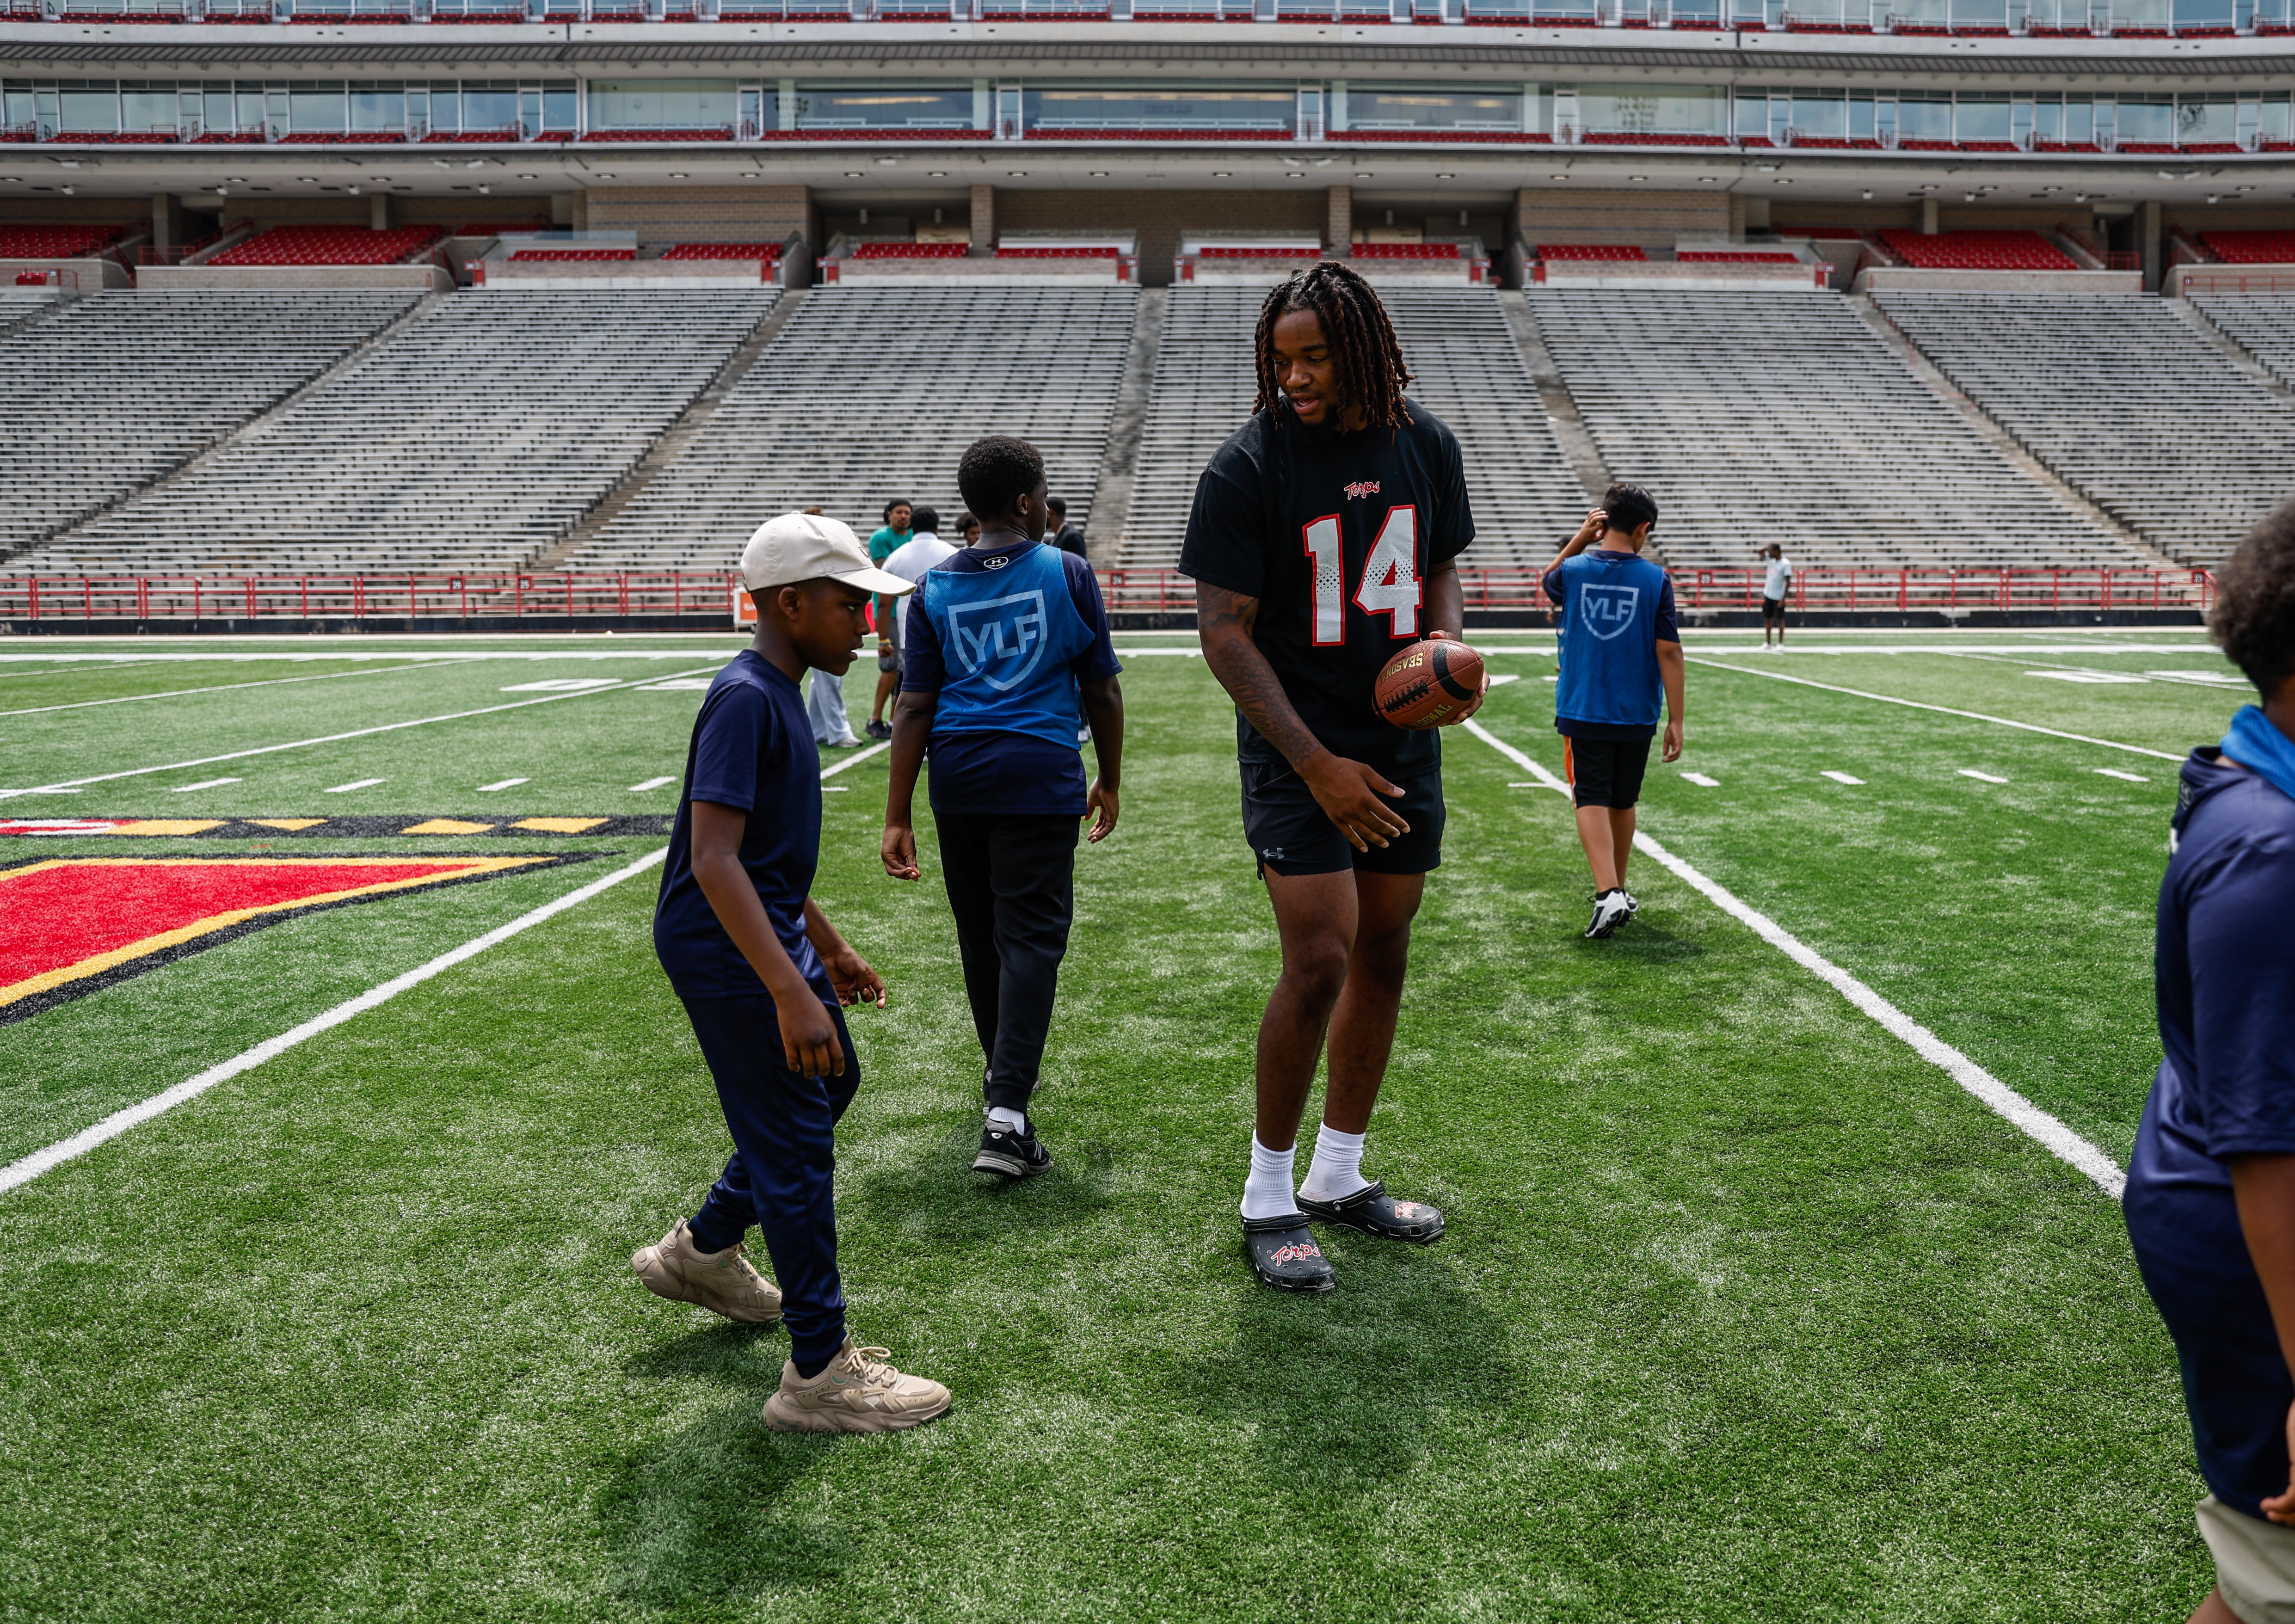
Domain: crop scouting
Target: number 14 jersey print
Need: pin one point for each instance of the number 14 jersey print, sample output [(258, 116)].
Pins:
[(1335, 535)]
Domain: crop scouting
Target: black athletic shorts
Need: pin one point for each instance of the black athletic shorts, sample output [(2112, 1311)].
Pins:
[(1772, 607), (1290, 832), (1609, 770)]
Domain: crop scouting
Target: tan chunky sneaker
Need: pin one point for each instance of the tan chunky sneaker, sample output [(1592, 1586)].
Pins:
[(858, 1392), (722, 1282)]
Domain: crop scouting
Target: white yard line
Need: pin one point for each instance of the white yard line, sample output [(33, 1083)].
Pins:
[(354, 784), (487, 789), (1841, 778), (388, 727), (205, 784), (856, 758), (1982, 778), (2125, 777), (1702, 781), (220, 688), (2188, 679), (2046, 1129), (649, 784), (111, 1127), (1942, 710)]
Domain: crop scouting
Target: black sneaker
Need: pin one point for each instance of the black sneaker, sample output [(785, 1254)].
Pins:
[(879, 730), (1284, 1255), (1018, 1155)]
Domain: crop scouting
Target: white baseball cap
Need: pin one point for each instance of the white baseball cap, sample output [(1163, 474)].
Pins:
[(806, 546)]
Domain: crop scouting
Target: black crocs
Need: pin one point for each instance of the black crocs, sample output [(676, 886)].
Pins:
[(1372, 1212), (1284, 1254)]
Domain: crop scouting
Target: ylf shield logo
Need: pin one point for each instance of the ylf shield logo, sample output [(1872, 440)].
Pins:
[(1000, 640), (1608, 609)]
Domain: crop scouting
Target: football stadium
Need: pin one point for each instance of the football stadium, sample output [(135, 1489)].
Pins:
[(453, 445)]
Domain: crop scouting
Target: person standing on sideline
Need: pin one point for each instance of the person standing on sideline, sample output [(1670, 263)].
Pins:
[(1621, 650), (2210, 1198), (1001, 636), (764, 976), (1066, 536), (888, 539), (967, 530), (824, 705), (1324, 540), (915, 558), (1777, 587)]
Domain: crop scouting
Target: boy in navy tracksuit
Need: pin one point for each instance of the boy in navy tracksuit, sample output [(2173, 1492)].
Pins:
[(1000, 643), (763, 975), (1620, 649)]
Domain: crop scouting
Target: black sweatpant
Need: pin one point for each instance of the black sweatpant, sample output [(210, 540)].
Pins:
[(1012, 885)]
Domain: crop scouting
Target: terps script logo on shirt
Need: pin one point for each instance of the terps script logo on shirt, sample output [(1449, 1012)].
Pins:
[(1362, 488), (1000, 640), (1608, 609)]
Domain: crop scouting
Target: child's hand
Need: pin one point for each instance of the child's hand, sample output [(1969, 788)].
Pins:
[(1101, 800), (899, 852), (855, 980)]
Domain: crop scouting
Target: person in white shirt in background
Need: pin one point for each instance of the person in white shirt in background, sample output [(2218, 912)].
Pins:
[(824, 701), (1776, 586), (915, 557)]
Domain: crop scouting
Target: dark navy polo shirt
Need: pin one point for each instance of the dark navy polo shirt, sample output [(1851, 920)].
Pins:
[(752, 749)]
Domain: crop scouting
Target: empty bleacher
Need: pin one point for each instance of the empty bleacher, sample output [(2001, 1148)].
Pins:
[(473, 437), (57, 242), (328, 245), (871, 393), (1469, 372), (1782, 417), (117, 388), (2262, 325), (2121, 399), (1978, 250)]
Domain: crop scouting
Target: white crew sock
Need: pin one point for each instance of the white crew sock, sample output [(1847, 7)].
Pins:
[(1007, 1118), (1267, 1192), (1336, 1170)]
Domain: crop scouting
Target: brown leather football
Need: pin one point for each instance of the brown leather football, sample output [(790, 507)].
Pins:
[(1429, 684)]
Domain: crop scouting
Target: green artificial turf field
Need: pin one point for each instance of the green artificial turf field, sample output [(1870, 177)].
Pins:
[(1745, 1311)]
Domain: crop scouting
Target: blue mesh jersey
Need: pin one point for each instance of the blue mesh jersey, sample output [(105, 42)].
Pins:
[(1334, 535), (1616, 608), (1004, 636)]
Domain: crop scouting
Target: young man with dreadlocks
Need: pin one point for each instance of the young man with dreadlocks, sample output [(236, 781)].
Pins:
[(1323, 539)]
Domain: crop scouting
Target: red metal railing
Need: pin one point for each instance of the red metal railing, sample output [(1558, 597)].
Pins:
[(62, 599)]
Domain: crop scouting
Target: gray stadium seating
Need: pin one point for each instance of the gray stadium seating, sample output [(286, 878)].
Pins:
[(117, 388), (2261, 324), (2120, 398), (872, 393), (1468, 372), (472, 439), (1761, 416)]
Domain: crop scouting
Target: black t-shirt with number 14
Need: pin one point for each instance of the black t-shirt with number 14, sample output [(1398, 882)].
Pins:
[(1334, 535)]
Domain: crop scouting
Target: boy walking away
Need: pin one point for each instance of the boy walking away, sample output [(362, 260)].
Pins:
[(1776, 586), (1001, 639), (1620, 646), (763, 975), (889, 539)]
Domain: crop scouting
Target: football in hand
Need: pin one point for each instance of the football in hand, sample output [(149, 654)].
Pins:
[(1429, 684)]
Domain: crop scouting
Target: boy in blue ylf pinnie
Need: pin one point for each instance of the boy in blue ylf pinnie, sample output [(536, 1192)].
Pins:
[(764, 975), (1002, 641), (1620, 651)]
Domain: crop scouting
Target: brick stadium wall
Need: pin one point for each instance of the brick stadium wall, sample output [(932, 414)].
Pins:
[(1160, 217), (699, 214), (1651, 219)]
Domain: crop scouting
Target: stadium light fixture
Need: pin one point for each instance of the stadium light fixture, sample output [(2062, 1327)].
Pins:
[(1557, 177), (678, 174), (308, 180), (1866, 194), (2212, 198), (1637, 177), (1098, 175), (1017, 175), (523, 177), (940, 174), (1968, 197), (1444, 174), (1228, 174), (1362, 174), (853, 174)]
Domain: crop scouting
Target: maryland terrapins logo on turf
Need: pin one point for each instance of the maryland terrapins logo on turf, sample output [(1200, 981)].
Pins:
[(71, 925)]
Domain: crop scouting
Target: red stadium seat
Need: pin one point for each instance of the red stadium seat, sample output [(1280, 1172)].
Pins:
[(1610, 252), (1406, 250), (2264, 247), (910, 251), (724, 251), (328, 245), (1978, 250), (563, 256)]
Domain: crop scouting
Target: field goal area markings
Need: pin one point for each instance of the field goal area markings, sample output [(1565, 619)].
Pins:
[(2047, 1130), (30, 1167), (1942, 710), (73, 785)]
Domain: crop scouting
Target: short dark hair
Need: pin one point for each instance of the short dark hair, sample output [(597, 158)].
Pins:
[(998, 469), (925, 518), (1629, 507), (897, 502), (1056, 505), (2254, 617), (964, 522)]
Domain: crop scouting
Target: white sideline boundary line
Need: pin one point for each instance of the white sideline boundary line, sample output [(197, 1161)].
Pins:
[(856, 758), (220, 688), (30, 1167), (62, 785), (2048, 1131), (1944, 710)]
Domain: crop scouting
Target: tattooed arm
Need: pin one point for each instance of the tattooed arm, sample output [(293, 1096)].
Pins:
[(1348, 791)]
